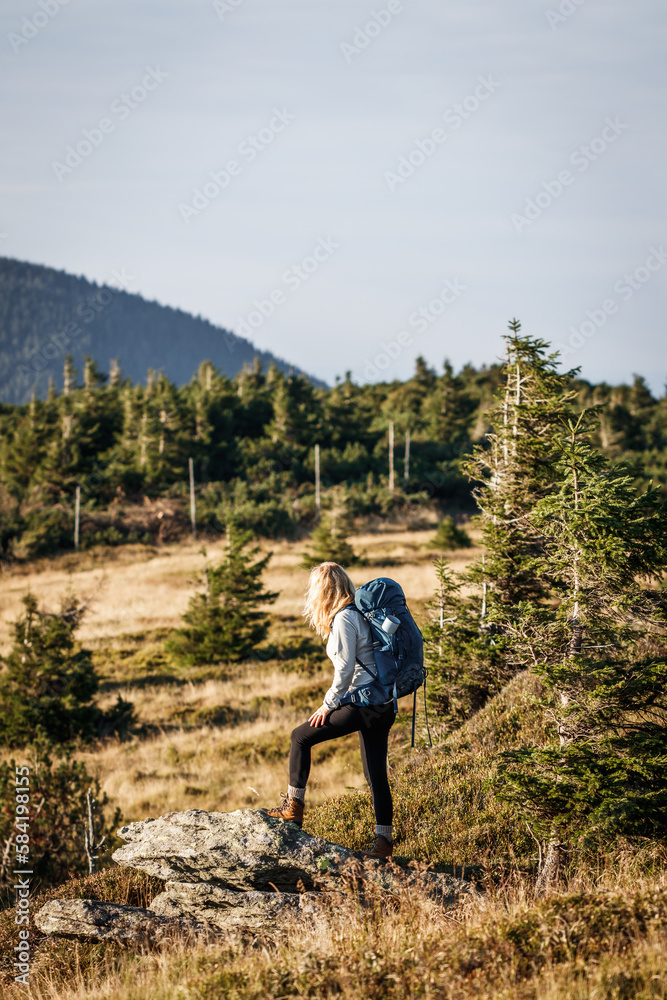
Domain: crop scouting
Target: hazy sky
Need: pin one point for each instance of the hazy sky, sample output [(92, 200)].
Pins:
[(405, 175)]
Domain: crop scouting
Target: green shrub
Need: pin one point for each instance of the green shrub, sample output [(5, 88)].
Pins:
[(449, 536), (47, 529), (48, 682), (326, 546), (57, 815), (224, 622)]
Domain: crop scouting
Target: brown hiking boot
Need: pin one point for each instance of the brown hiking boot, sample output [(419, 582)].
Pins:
[(290, 811), (382, 848)]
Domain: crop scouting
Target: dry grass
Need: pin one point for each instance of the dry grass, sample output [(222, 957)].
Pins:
[(137, 589), (586, 944), (218, 740), (231, 766), (220, 743)]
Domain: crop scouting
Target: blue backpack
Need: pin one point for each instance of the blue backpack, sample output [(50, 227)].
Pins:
[(398, 647)]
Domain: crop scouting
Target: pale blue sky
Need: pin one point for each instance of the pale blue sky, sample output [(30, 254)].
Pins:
[(329, 173)]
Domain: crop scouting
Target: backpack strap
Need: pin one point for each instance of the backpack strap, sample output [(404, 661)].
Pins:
[(344, 608), (414, 712), (364, 666)]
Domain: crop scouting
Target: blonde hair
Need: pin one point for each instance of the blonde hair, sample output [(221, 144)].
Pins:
[(329, 590)]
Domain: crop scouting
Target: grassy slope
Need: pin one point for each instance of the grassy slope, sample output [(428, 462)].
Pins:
[(216, 737), (606, 938), (212, 737), (444, 812)]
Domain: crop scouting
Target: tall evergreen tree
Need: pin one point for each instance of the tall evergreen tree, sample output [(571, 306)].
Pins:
[(513, 470), (599, 644)]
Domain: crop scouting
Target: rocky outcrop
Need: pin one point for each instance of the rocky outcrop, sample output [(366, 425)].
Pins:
[(229, 870), (90, 920), (242, 850), (224, 908)]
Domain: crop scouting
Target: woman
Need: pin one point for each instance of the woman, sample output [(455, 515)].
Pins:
[(331, 611)]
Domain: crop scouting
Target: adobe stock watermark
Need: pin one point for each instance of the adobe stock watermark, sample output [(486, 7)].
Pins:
[(224, 7), (581, 158), (420, 320), (86, 311), (247, 151), (23, 870), (565, 9), (424, 148), (291, 279), (122, 107), (625, 288), (31, 26), (365, 33)]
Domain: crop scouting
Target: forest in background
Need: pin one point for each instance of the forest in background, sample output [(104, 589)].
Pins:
[(252, 440)]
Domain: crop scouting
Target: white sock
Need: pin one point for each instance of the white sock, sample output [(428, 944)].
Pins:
[(296, 793), (385, 831)]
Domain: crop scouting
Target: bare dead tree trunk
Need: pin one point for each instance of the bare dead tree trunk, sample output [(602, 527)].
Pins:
[(550, 870), (92, 848), (4, 862), (391, 456), (552, 866)]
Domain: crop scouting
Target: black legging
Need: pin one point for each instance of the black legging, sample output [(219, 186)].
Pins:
[(373, 725)]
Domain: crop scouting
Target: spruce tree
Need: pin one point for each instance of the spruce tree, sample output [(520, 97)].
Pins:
[(225, 621), (465, 663), (599, 645), (449, 536), (513, 470), (329, 539), (48, 681)]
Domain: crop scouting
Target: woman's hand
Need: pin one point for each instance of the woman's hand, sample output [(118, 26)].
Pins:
[(319, 717)]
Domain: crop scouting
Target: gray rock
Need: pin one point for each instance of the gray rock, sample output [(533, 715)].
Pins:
[(438, 886), (90, 920), (239, 871), (242, 850), (224, 908)]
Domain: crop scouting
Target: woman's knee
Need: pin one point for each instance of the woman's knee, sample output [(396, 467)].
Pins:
[(299, 735)]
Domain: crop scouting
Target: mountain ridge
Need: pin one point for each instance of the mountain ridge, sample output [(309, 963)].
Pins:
[(46, 313)]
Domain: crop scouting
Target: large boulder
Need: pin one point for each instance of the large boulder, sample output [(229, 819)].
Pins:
[(224, 908), (241, 850), (241, 870), (91, 920)]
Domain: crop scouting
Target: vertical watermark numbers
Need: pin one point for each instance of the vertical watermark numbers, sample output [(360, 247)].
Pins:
[(22, 870)]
